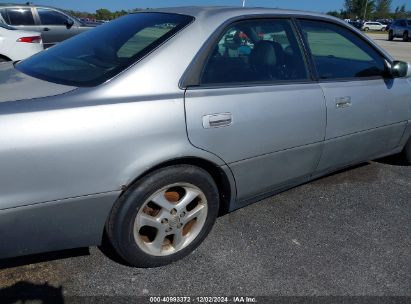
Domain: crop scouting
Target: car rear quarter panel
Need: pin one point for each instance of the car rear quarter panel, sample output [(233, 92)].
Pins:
[(50, 149), (72, 153)]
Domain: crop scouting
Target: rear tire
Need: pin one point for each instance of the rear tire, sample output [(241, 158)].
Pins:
[(390, 36), (406, 153), (405, 37), (164, 216), (366, 29)]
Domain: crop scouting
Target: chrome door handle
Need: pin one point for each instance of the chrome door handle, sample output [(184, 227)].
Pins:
[(217, 120), (343, 102)]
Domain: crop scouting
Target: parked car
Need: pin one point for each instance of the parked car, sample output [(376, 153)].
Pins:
[(356, 24), (18, 45), (373, 26), (146, 132), (54, 25), (400, 29), (386, 22)]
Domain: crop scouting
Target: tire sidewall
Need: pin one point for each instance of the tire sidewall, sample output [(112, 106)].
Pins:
[(407, 152), (122, 221)]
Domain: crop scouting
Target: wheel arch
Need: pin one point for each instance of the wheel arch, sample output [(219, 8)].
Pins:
[(222, 177)]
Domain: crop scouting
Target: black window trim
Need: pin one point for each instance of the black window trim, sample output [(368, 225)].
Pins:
[(354, 32), (191, 78)]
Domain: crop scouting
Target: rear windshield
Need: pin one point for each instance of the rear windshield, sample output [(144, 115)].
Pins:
[(99, 54)]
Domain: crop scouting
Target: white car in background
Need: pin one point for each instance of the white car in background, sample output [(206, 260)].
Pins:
[(373, 26), (18, 45)]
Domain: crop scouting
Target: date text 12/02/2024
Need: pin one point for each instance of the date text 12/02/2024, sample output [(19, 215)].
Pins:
[(239, 299)]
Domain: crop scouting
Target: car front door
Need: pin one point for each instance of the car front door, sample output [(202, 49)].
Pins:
[(257, 108), (55, 26), (366, 110)]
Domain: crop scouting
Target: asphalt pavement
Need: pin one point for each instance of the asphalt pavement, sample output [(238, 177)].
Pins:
[(399, 49), (345, 234)]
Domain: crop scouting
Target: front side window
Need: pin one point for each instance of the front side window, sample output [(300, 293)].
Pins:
[(51, 17), (264, 50), (97, 55), (19, 16), (339, 53)]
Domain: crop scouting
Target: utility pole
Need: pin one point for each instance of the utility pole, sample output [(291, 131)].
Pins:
[(365, 10), (244, 3)]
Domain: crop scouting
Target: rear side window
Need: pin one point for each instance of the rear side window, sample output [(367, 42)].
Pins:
[(340, 53), (263, 50), (51, 17), (19, 16), (95, 56), (143, 38)]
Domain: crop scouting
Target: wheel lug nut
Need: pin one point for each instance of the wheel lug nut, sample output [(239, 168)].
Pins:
[(169, 229), (173, 212), (164, 221), (183, 214), (179, 225)]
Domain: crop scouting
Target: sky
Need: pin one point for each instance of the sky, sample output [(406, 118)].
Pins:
[(92, 5)]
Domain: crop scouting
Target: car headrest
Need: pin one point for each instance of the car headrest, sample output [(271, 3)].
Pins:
[(263, 54), (267, 53)]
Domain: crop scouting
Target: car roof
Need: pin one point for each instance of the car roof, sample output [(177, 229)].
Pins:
[(211, 11), (233, 11), (15, 4), (5, 5)]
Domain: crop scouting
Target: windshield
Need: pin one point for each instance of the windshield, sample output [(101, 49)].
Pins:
[(99, 54)]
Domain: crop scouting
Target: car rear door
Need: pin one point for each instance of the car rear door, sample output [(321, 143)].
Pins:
[(366, 112), (256, 106), (53, 26)]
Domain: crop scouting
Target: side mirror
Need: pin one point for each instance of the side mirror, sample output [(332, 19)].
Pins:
[(400, 69), (69, 23)]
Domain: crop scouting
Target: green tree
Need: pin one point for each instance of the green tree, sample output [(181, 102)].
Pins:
[(383, 8), (104, 14), (400, 12), (335, 14), (342, 14), (358, 9)]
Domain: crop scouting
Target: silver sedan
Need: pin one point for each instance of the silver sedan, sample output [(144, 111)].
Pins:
[(147, 128)]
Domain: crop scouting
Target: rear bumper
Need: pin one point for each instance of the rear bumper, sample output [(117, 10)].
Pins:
[(58, 225)]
